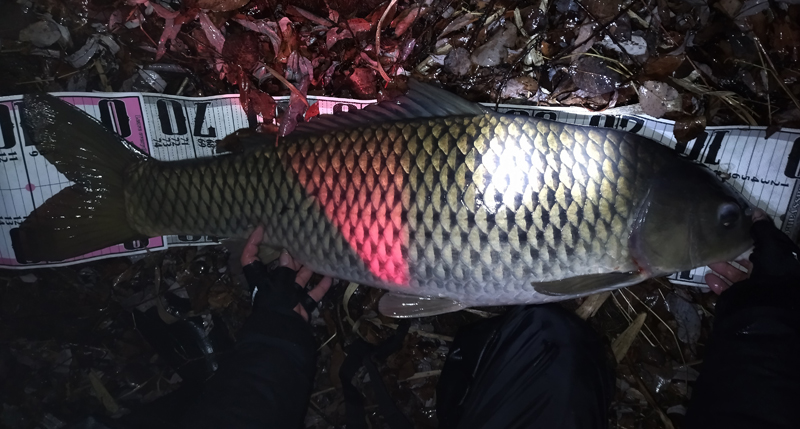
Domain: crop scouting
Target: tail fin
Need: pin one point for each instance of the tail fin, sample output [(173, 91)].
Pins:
[(89, 215)]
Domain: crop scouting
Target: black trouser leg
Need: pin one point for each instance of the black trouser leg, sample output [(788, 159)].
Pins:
[(535, 367)]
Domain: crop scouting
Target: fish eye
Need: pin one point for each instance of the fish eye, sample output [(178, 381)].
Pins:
[(728, 214)]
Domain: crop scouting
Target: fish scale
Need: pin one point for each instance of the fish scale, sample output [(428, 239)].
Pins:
[(486, 204), (436, 199)]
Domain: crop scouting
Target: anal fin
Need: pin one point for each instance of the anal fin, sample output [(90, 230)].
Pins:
[(407, 306), (588, 284)]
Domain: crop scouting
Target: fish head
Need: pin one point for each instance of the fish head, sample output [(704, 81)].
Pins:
[(689, 218)]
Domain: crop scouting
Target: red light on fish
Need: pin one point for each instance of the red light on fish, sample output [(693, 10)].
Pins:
[(361, 198)]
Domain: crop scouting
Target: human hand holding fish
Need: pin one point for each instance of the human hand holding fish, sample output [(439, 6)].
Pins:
[(726, 274), (258, 276)]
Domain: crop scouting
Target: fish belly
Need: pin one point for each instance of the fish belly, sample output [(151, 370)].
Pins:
[(473, 208)]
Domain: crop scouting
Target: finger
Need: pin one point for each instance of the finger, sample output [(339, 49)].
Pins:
[(303, 276), (286, 260), (759, 214), (320, 289), (729, 271), (250, 251), (301, 311), (716, 283), (747, 264)]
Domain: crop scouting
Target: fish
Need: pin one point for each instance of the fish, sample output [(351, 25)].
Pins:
[(442, 202)]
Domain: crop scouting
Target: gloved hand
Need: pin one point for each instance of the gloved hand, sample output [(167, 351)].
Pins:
[(774, 273), (282, 289), (774, 256)]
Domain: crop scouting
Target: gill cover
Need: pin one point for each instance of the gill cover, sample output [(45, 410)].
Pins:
[(689, 218)]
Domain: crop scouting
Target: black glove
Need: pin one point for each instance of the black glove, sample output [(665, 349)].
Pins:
[(277, 289), (774, 257), (775, 279)]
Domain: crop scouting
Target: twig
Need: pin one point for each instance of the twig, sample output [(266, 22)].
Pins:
[(51, 79), (675, 337), (288, 84), (632, 310), (424, 374), (323, 391), (774, 72), (377, 322), (327, 341), (481, 313), (378, 42), (479, 25)]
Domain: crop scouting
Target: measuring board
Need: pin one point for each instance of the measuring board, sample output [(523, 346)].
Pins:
[(764, 170)]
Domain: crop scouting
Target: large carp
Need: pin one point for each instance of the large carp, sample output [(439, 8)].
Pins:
[(440, 201)]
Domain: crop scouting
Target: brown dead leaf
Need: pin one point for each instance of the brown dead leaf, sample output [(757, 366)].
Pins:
[(688, 128), (785, 35), (603, 10), (221, 5), (362, 82), (621, 345), (242, 49), (592, 304), (729, 7), (658, 68), (102, 394), (594, 76), (658, 98)]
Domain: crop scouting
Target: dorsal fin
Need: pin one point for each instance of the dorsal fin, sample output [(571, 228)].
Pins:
[(421, 101)]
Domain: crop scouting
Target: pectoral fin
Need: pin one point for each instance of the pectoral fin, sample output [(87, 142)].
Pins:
[(406, 306), (593, 283)]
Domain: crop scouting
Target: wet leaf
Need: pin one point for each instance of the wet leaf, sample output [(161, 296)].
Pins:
[(221, 5), (213, 34), (752, 7), (495, 50), (242, 49), (635, 46), (658, 68), (300, 12), (594, 76), (406, 18), (523, 87), (729, 7), (688, 128), (363, 82), (458, 62), (686, 317), (658, 98), (785, 35), (41, 33)]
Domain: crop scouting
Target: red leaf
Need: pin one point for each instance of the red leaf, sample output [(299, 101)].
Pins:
[(312, 111)]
